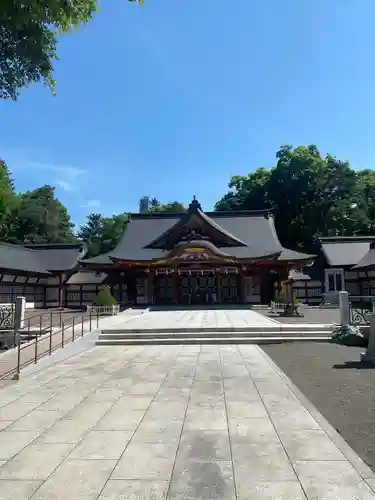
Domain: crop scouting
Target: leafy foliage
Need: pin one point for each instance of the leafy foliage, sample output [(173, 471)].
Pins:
[(40, 217), (29, 33), (348, 335), (105, 298), (8, 200), (171, 206), (102, 234), (309, 195)]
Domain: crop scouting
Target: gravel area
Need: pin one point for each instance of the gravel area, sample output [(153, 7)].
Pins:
[(340, 387), (313, 315)]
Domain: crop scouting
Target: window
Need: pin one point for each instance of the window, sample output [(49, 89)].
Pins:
[(334, 280)]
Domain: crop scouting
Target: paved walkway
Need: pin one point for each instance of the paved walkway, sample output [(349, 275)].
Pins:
[(186, 423), (199, 318), (31, 350)]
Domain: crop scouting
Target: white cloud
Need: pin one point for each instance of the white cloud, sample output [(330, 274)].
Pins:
[(91, 204), (65, 185)]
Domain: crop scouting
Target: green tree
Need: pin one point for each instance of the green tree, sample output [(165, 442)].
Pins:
[(310, 196), (29, 33), (171, 206), (102, 234), (41, 218), (8, 201)]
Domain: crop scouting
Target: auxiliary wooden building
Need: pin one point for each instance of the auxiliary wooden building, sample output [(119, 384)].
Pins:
[(195, 257)]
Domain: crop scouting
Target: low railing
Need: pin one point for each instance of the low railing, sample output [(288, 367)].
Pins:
[(46, 341), (103, 310), (7, 316), (360, 308)]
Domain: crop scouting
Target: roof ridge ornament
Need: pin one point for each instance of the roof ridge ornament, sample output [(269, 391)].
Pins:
[(194, 205)]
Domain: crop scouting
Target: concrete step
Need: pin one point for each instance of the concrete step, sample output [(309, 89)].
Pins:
[(212, 334), (293, 327), (208, 340)]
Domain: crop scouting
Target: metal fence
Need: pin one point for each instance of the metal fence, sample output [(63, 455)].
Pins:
[(42, 337), (360, 308)]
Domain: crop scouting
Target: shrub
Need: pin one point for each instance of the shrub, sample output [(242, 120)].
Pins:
[(105, 298)]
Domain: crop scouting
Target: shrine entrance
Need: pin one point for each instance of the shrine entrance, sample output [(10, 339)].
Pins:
[(197, 289)]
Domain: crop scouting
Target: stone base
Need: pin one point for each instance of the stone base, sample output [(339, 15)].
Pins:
[(367, 357)]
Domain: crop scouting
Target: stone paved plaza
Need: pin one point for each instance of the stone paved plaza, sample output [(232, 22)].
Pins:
[(198, 318), (186, 423)]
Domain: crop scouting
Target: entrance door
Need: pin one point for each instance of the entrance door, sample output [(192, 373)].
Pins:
[(230, 289), (249, 283), (197, 289)]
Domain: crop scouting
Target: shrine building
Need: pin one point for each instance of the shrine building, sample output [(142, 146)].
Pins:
[(196, 257)]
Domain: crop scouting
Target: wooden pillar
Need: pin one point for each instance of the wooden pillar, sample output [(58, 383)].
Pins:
[(218, 289), (176, 287), (60, 292)]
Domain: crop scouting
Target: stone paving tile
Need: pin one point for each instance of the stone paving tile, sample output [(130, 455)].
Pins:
[(202, 480), (203, 445), (5, 423), (309, 445), (36, 461), (15, 410), (331, 481), (76, 480), (12, 443), (255, 430), (135, 490), (17, 490), (105, 445), (146, 461), (274, 490), (201, 415), (36, 421), (120, 420)]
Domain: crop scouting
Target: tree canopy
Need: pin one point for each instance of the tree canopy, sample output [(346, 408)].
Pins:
[(102, 234), (29, 33), (310, 196)]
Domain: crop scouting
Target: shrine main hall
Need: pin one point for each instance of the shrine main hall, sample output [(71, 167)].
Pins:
[(197, 257)]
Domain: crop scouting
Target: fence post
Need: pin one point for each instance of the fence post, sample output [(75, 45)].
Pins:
[(344, 308), (19, 313), (73, 330), (97, 319), (82, 326), (16, 376), (90, 320), (62, 333), (36, 348), (61, 322)]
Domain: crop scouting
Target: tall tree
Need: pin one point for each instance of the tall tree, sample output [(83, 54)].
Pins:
[(171, 206), (8, 200), (102, 234), (310, 196), (41, 218)]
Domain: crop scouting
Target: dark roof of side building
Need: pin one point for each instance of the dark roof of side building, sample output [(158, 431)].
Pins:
[(40, 259), (87, 278), (21, 259), (345, 251), (59, 256), (368, 261), (253, 230)]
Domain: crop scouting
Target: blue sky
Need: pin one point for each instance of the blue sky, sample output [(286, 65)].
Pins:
[(171, 99)]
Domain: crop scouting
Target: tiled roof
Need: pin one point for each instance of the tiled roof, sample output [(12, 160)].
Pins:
[(345, 251), (21, 259), (368, 261), (87, 278), (254, 230), (40, 259), (60, 256)]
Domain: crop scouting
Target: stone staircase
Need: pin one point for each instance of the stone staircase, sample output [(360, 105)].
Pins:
[(265, 334)]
